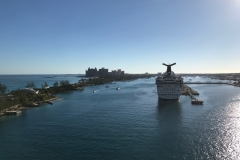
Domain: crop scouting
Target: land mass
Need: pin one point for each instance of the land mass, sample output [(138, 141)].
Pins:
[(19, 99)]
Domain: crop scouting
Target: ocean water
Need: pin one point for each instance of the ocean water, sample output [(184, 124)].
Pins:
[(130, 123), (14, 82)]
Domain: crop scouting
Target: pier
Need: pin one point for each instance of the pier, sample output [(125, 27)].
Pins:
[(195, 100), (189, 91), (188, 82), (12, 112)]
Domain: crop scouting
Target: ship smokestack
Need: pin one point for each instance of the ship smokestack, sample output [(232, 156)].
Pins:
[(169, 70)]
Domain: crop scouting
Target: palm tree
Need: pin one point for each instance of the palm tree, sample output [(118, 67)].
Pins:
[(3, 89), (55, 84)]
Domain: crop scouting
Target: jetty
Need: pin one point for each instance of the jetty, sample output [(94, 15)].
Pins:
[(12, 112), (188, 82), (189, 91), (195, 100), (186, 90)]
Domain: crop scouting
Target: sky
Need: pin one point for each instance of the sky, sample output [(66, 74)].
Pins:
[(137, 36)]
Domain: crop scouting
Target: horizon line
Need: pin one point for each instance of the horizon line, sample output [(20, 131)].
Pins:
[(125, 73)]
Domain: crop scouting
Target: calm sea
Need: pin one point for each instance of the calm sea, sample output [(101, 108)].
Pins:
[(14, 82), (130, 123)]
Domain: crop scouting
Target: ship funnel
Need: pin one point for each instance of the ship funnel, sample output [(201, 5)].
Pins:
[(169, 70)]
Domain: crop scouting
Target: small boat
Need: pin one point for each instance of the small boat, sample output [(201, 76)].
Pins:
[(94, 91), (106, 86), (117, 88)]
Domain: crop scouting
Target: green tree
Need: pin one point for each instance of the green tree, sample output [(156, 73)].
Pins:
[(3, 89), (33, 85), (64, 83), (45, 85), (82, 82), (23, 97), (55, 84), (30, 85)]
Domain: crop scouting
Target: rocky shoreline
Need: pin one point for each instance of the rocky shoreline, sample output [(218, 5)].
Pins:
[(17, 109)]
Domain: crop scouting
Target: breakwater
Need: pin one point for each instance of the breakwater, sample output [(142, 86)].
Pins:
[(187, 90)]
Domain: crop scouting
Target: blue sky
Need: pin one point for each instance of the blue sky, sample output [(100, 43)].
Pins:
[(137, 36)]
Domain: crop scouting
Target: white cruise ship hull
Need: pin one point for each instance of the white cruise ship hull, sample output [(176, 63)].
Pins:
[(169, 91), (169, 85)]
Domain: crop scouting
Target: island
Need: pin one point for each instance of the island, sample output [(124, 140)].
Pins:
[(15, 101)]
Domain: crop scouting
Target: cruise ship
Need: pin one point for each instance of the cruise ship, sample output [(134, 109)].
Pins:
[(169, 85)]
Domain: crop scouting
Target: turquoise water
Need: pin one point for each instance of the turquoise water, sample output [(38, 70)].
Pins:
[(130, 123)]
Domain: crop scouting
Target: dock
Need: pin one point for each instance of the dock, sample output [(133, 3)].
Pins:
[(189, 91), (12, 112), (188, 82), (195, 100)]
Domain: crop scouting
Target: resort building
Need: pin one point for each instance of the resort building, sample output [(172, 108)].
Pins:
[(103, 72), (91, 72), (118, 72)]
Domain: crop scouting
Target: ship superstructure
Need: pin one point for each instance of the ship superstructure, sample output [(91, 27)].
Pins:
[(169, 85)]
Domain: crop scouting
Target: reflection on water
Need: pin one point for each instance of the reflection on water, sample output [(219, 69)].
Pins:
[(169, 124), (222, 137), (169, 110), (167, 102)]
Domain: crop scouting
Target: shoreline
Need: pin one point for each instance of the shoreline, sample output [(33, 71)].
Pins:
[(18, 108), (63, 87)]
